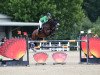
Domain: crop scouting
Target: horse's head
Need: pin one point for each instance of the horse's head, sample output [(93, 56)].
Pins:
[(51, 26), (54, 23)]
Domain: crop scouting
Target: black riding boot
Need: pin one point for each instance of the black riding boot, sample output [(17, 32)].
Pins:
[(40, 29)]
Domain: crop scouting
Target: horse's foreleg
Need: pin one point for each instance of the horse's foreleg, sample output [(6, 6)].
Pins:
[(34, 36)]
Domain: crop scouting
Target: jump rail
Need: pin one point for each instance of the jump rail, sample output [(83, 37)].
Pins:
[(18, 24), (44, 41), (58, 47)]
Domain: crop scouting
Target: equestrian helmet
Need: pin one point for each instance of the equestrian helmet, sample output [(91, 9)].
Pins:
[(48, 14)]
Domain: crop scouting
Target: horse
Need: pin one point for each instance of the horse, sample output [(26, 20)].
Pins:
[(48, 28)]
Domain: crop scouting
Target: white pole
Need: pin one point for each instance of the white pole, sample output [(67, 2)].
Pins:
[(40, 45), (68, 48), (77, 46), (50, 45), (59, 45), (18, 24)]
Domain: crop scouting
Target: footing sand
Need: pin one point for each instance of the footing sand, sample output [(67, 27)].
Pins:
[(72, 67)]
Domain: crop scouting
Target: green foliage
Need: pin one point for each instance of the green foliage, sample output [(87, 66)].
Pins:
[(92, 9), (27, 10), (96, 27), (96, 30), (2, 5), (70, 15), (86, 24)]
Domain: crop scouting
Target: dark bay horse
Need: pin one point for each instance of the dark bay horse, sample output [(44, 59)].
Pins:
[(47, 29)]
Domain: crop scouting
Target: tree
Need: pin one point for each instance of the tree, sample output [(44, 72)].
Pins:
[(92, 9), (70, 13), (2, 5), (27, 10)]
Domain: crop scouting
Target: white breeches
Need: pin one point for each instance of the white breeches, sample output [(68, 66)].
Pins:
[(40, 24)]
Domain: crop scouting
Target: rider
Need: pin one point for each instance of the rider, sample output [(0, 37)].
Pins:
[(44, 19)]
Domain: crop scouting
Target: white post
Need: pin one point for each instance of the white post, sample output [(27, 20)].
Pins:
[(59, 45), (40, 45), (77, 46), (50, 45), (68, 48)]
